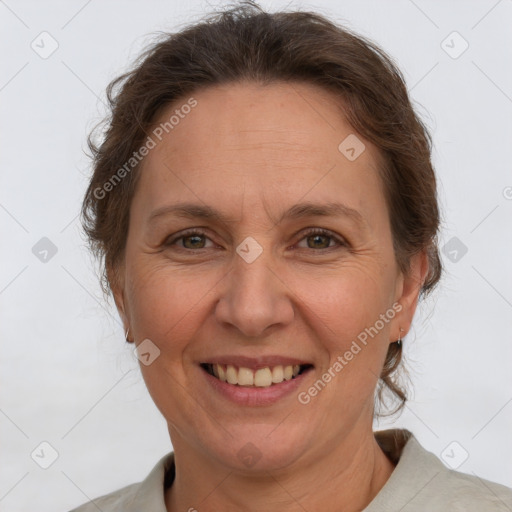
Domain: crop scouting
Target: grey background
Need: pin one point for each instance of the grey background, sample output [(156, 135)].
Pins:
[(66, 376)]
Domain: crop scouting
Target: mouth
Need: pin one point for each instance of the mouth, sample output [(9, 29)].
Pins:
[(264, 377)]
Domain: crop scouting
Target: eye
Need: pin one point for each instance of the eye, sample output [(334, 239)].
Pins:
[(320, 239), (191, 239)]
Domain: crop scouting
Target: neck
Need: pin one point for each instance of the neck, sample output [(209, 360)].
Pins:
[(344, 477)]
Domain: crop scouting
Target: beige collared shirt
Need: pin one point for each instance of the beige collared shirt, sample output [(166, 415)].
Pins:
[(420, 482)]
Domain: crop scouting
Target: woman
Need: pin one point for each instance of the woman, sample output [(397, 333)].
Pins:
[(266, 209)]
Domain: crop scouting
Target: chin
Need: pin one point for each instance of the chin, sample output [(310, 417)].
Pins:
[(262, 447)]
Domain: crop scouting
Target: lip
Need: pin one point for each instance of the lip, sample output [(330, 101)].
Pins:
[(256, 363), (254, 396)]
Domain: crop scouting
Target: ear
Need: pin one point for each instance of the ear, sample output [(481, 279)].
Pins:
[(117, 286), (407, 293)]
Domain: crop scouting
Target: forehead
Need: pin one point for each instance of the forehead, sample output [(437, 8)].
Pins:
[(246, 142)]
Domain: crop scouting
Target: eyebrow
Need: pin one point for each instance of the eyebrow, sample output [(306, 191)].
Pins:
[(297, 211)]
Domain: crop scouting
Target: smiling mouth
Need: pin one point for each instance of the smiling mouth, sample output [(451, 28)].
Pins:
[(262, 377)]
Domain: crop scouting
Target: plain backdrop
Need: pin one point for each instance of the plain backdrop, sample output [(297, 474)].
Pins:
[(67, 376)]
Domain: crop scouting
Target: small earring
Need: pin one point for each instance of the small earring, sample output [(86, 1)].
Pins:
[(399, 340), (126, 335)]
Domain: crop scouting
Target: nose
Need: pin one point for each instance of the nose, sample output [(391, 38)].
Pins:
[(254, 297)]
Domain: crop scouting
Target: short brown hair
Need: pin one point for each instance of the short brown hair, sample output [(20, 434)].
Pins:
[(246, 43)]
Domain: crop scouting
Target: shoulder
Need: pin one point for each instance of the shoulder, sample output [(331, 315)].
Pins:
[(421, 482), (470, 492), (146, 495), (116, 500)]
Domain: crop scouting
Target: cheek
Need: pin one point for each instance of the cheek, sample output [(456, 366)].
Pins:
[(164, 307), (167, 304), (352, 315), (170, 306), (348, 302), (164, 304)]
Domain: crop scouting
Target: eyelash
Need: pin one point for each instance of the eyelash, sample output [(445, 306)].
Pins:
[(307, 233)]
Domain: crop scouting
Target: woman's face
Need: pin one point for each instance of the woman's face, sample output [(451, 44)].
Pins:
[(250, 273)]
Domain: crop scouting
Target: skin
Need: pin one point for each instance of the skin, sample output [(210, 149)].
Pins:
[(253, 151)]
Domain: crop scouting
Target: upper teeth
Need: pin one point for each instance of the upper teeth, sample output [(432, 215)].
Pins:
[(264, 377)]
